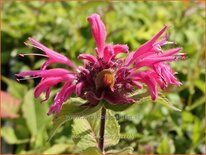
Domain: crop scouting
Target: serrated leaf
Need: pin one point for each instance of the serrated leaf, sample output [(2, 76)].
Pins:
[(86, 131), (126, 150), (9, 136), (70, 110), (91, 150)]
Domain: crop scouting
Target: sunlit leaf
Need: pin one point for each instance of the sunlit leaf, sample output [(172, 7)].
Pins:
[(86, 131), (56, 149), (29, 113), (126, 150), (166, 146), (70, 110), (9, 136)]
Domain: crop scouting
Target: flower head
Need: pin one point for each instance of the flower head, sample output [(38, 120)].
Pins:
[(105, 76)]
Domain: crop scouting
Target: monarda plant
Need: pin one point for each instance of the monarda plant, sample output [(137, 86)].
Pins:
[(105, 81)]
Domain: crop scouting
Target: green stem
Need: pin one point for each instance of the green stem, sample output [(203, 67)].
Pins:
[(102, 129)]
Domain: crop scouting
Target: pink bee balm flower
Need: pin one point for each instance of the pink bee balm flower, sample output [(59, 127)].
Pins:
[(104, 76)]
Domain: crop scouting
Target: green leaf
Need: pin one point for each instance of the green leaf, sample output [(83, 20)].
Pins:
[(36, 118), (164, 101), (91, 150), (86, 131), (70, 110), (17, 90), (200, 84), (9, 136), (57, 148), (197, 130), (29, 113), (126, 150), (117, 108), (166, 146)]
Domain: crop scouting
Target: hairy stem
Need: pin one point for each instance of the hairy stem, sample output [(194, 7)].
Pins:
[(102, 129)]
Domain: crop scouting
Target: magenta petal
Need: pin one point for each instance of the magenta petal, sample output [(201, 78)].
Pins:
[(47, 73), (118, 48), (47, 83), (147, 46), (149, 43), (151, 61), (98, 32), (171, 52), (53, 56), (61, 97), (108, 53), (129, 58), (170, 78), (79, 87), (152, 87), (149, 80), (137, 84), (163, 40), (88, 57)]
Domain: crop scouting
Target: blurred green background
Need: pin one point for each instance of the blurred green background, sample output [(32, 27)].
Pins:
[(63, 26)]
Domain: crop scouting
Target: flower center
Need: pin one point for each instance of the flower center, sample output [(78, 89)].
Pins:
[(104, 79)]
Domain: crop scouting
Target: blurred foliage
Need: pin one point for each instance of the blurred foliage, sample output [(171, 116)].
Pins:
[(147, 127)]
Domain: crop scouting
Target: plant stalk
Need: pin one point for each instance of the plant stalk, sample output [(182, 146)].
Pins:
[(102, 129)]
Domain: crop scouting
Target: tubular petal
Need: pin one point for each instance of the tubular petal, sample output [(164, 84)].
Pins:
[(47, 83), (118, 48), (79, 88), (88, 57), (108, 53), (47, 73), (98, 32), (61, 97), (148, 45), (151, 61), (53, 56)]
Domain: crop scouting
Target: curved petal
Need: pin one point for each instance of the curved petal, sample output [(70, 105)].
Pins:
[(49, 82), (171, 52), (88, 57), (166, 73), (137, 84), (54, 57), (149, 80), (98, 32), (61, 97), (129, 58), (79, 87), (148, 45), (108, 53), (118, 48)]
